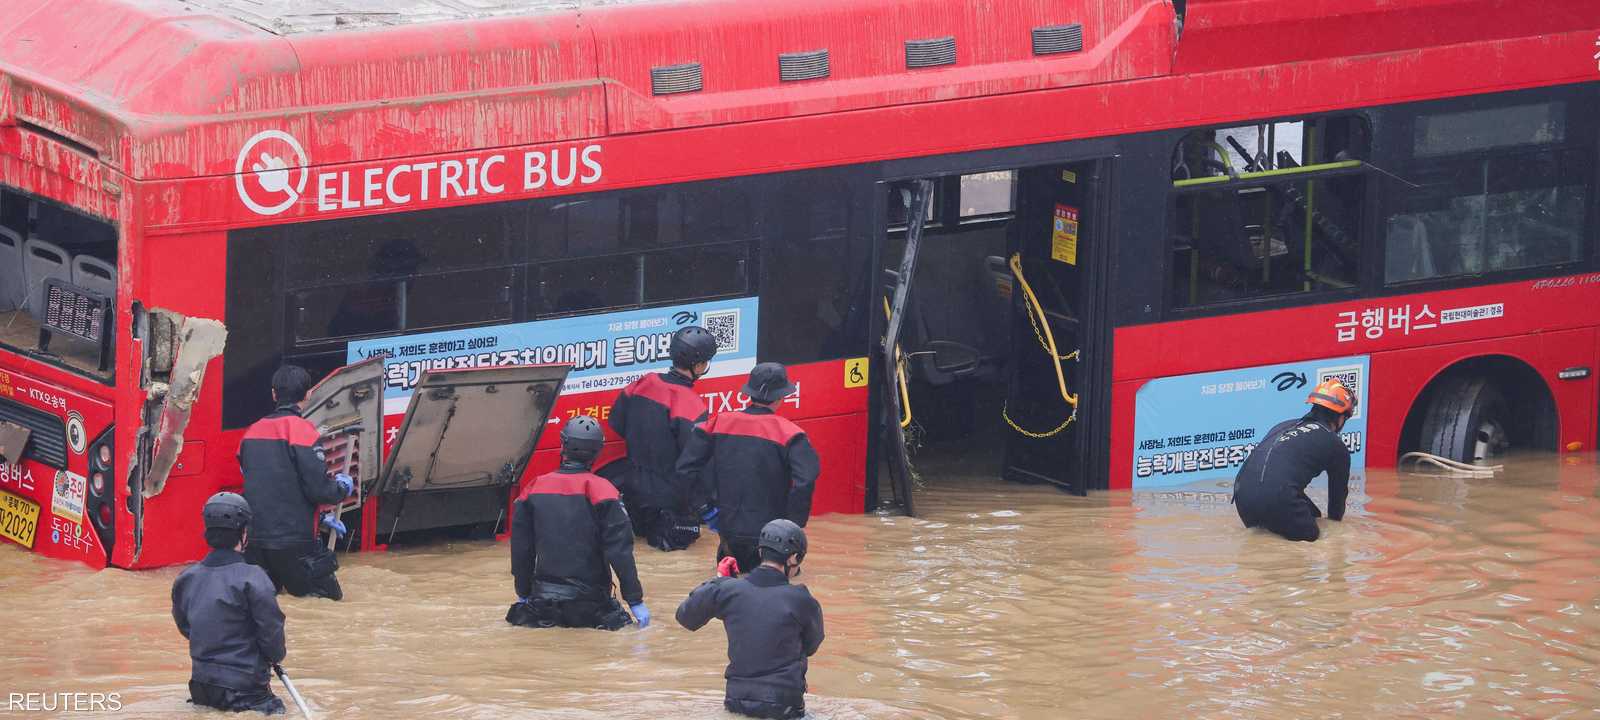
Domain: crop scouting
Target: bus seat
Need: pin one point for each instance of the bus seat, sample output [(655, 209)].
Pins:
[(949, 328), (92, 273), (13, 282), (999, 274), (42, 260), (999, 284), (1408, 254)]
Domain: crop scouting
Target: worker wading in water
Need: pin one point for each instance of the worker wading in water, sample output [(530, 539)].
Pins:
[(569, 531), (228, 609), (1270, 490), (773, 627), (655, 416), (750, 467), (285, 478)]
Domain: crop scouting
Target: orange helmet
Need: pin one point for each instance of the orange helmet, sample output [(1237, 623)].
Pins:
[(1334, 396)]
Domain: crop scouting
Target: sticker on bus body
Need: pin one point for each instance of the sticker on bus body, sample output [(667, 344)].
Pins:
[(67, 498), (606, 351), (1193, 430)]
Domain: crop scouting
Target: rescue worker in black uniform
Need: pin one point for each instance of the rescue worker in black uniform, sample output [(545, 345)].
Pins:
[(750, 467), (1269, 491), (567, 527), (772, 627), (655, 416), (228, 609), (285, 478)]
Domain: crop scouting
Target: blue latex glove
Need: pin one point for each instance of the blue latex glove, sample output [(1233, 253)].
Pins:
[(641, 614), (710, 518), (346, 485), (331, 521)]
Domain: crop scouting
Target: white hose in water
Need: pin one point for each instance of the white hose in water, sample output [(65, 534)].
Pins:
[(1454, 468)]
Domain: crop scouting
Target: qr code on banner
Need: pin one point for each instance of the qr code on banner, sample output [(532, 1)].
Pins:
[(724, 326), (1350, 376)]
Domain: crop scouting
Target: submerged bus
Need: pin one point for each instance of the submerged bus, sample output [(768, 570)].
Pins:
[(1088, 242)]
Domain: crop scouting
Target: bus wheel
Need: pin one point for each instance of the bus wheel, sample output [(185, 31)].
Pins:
[(1467, 421)]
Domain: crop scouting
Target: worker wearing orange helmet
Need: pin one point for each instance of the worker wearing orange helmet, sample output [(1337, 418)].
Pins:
[(1270, 491)]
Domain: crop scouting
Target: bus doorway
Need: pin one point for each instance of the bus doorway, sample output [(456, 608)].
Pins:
[(993, 336)]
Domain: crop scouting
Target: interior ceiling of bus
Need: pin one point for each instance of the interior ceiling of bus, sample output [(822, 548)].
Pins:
[(292, 17)]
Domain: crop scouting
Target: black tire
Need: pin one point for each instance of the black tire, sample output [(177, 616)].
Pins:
[(1465, 414)]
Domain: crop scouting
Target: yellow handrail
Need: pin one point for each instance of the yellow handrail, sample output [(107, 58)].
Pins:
[(1048, 339), (900, 373)]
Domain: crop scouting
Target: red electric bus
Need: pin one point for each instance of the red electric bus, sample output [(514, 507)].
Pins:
[(1094, 243)]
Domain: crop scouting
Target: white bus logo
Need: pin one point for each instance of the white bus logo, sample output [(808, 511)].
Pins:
[(271, 175)]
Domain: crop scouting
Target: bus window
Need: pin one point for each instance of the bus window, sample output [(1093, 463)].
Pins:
[(987, 193), (458, 299), (343, 311), (1488, 129), (897, 207), (705, 271), (335, 281), (1489, 190), (338, 251), (585, 285), (1267, 210), (42, 243)]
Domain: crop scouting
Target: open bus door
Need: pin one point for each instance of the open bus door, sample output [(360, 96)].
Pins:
[(1048, 247), (994, 332), (915, 196)]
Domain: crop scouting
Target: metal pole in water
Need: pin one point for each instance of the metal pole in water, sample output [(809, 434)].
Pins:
[(293, 693)]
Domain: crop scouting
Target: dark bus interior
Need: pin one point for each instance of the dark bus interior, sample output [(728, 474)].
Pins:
[(981, 371)]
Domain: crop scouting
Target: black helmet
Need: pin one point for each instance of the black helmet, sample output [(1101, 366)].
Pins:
[(226, 510), (691, 346), (582, 438), (769, 383), (785, 538)]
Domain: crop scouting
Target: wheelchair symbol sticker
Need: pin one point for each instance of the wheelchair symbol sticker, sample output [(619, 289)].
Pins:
[(855, 372)]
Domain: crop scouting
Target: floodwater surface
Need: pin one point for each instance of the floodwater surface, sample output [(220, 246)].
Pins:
[(1473, 598)]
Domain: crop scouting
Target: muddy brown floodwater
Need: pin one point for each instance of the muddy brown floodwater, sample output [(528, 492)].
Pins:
[(1475, 598)]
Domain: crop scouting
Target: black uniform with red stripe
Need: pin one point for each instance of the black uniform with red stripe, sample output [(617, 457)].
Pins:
[(656, 415), (566, 529), (285, 478), (754, 466)]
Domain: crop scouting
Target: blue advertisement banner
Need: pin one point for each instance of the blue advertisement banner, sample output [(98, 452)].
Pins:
[(1193, 428), (607, 351)]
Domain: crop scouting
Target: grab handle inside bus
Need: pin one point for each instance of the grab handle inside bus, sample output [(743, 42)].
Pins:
[(1047, 337)]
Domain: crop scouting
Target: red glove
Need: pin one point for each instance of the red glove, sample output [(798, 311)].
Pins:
[(729, 567)]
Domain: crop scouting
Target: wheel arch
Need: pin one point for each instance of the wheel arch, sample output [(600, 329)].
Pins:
[(1515, 377)]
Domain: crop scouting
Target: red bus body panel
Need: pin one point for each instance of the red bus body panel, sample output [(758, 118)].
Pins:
[(1539, 328), (145, 125)]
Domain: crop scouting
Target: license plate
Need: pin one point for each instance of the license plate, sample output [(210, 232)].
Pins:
[(19, 517)]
